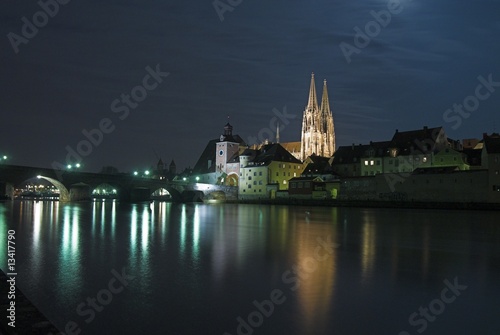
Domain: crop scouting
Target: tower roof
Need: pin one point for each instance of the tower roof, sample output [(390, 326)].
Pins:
[(312, 104), (228, 129)]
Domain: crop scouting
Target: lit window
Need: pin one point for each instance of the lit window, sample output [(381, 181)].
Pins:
[(424, 159), (284, 182), (372, 162), (366, 163)]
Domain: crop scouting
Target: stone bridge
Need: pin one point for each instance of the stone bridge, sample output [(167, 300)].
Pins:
[(74, 185)]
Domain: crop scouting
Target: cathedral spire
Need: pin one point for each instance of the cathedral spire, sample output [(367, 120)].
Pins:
[(318, 133), (325, 104), (312, 104)]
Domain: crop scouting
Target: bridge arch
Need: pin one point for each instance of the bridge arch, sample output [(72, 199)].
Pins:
[(231, 179), (63, 191), (105, 190), (160, 193)]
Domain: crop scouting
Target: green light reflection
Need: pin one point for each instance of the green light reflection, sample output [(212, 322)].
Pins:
[(196, 232), (133, 233)]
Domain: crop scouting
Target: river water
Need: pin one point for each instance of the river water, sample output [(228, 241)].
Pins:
[(159, 268)]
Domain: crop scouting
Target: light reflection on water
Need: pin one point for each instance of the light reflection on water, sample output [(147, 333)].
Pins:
[(199, 267)]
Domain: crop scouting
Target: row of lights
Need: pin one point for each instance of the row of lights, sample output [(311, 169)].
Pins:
[(185, 179), (76, 166)]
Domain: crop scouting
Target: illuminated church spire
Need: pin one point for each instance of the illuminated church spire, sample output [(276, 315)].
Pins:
[(312, 104), (317, 125), (327, 124)]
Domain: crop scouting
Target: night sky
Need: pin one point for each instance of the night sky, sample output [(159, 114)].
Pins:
[(65, 78)]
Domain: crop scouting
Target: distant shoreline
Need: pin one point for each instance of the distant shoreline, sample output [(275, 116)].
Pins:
[(372, 204), (340, 203)]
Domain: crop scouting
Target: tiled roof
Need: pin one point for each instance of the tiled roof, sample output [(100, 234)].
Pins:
[(291, 146), (271, 153), (414, 140), (208, 154), (318, 165), (201, 166), (354, 153)]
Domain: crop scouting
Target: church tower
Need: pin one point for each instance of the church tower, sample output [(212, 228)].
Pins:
[(327, 130), (318, 135), (226, 148)]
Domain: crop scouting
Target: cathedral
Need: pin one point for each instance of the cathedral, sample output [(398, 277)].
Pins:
[(318, 134)]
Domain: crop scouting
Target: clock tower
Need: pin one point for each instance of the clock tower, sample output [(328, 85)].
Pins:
[(225, 149)]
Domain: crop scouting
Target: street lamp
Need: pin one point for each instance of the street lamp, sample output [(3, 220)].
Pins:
[(146, 173), (69, 166), (136, 173), (77, 165), (197, 178)]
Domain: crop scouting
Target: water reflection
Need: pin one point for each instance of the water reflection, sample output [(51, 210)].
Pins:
[(317, 271), (368, 251), (69, 274), (209, 262)]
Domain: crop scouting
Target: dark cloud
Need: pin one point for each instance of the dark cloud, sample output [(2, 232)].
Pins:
[(259, 58)]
